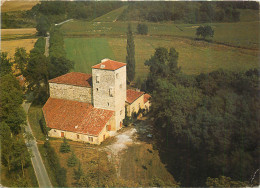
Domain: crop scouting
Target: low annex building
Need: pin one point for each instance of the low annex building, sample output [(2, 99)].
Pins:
[(89, 107)]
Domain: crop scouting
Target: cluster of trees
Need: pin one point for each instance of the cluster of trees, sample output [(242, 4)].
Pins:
[(187, 12), (14, 154), (208, 123), (40, 68), (205, 31), (142, 29)]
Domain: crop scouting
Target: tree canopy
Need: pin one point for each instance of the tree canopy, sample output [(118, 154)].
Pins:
[(130, 57)]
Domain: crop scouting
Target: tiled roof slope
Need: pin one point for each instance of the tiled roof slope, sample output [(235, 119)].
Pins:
[(74, 78), (109, 65), (132, 95), (146, 97), (75, 116)]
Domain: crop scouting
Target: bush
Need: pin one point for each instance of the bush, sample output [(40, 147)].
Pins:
[(44, 128), (142, 29), (72, 160), (65, 147)]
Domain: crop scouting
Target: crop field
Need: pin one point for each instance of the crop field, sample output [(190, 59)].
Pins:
[(17, 5), (9, 34), (194, 56), (10, 45), (111, 16)]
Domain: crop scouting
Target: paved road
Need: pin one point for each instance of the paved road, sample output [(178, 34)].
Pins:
[(39, 168)]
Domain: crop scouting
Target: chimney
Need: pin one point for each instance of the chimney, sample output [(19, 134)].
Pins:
[(104, 60)]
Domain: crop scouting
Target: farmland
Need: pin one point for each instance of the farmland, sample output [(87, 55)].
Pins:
[(10, 45), (11, 34), (9, 6), (194, 56)]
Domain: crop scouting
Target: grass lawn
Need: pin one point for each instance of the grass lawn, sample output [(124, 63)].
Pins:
[(194, 56), (86, 52), (34, 116), (242, 34)]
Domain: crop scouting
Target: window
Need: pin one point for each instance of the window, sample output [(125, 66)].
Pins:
[(55, 131), (111, 92), (108, 104), (121, 112), (120, 86), (97, 89), (97, 79), (62, 134), (90, 139), (117, 75), (77, 136)]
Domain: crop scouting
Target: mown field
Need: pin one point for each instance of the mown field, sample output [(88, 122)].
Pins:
[(11, 34), (10, 45), (194, 56), (17, 5)]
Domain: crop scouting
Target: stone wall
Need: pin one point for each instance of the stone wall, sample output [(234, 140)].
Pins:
[(70, 92), (109, 91)]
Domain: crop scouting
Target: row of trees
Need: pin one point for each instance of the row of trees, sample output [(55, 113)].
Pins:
[(208, 123), (14, 154)]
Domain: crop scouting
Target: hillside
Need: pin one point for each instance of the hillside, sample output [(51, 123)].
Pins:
[(111, 16)]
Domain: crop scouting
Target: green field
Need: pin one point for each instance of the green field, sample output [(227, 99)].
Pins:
[(86, 52), (241, 34), (111, 16), (194, 56)]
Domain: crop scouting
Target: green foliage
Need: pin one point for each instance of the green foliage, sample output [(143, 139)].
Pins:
[(65, 147), (6, 66), (72, 160), (44, 128), (54, 163), (223, 181), (78, 173), (21, 58), (142, 29), (56, 43), (59, 66), (11, 98), (205, 31), (130, 58), (43, 25)]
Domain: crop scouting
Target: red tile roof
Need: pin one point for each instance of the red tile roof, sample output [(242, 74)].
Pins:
[(132, 95), (75, 116), (146, 97), (109, 65), (74, 78)]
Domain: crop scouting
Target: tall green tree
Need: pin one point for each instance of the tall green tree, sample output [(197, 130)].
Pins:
[(43, 25), (6, 65), (205, 31), (21, 59), (130, 57)]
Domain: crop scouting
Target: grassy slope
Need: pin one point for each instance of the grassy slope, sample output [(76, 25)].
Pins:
[(86, 52), (111, 16), (194, 56)]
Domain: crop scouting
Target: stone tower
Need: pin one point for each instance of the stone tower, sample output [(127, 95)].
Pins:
[(109, 88)]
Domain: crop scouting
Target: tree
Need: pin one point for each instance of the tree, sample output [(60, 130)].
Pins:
[(205, 31), (223, 181), (65, 147), (130, 58), (6, 66), (21, 59), (43, 25), (78, 173), (142, 29), (59, 66), (72, 160)]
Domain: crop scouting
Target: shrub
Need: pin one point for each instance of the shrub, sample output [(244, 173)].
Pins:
[(142, 29), (72, 160), (65, 147)]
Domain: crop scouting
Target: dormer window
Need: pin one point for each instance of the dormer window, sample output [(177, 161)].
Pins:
[(97, 79)]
